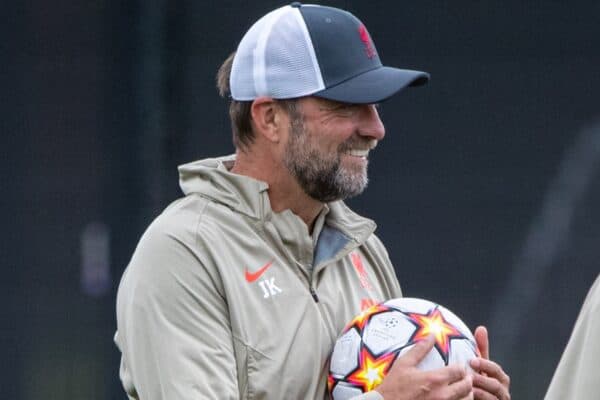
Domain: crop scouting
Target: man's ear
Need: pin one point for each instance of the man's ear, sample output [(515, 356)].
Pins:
[(268, 118)]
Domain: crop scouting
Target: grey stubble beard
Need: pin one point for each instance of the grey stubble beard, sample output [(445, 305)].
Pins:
[(320, 175)]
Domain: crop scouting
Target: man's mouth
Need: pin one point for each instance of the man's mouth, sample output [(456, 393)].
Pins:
[(359, 153)]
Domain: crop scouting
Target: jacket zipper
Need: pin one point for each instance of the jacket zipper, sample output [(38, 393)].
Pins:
[(309, 280), (313, 293)]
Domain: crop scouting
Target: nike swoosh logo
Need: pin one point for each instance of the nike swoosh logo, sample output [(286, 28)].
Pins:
[(252, 276)]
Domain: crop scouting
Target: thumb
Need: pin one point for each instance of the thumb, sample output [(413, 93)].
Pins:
[(418, 352), (483, 342)]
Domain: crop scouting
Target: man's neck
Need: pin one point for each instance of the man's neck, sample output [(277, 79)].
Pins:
[(284, 191)]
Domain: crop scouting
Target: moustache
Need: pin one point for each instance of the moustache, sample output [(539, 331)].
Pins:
[(357, 143)]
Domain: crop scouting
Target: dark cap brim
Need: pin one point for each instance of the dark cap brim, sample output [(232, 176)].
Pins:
[(374, 86)]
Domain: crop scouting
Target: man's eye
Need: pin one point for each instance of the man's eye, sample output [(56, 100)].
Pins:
[(347, 108)]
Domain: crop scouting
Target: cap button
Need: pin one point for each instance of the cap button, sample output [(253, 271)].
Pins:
[(296, 4)]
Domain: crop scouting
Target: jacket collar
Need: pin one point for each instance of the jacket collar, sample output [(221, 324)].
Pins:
[(211, 179)]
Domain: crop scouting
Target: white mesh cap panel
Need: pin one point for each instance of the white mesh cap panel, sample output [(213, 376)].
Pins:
[(276, 59), (242, 79)]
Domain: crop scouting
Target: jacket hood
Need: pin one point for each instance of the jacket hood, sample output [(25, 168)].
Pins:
[(211, 178)]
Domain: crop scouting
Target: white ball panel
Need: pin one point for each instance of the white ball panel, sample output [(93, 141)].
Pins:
[(462, 352), (410, 304), (342, 391), (345, 353), (387, 331), (432, 360)]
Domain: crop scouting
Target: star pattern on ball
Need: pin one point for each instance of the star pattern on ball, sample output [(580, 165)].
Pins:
[(371, 370), (361, 319), (434, 323), (330, 382)]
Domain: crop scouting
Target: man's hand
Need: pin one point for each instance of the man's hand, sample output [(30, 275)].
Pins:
[(490, 382), (405, 382)]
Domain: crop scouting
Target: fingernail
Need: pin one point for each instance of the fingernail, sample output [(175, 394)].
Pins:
[(475, 363)]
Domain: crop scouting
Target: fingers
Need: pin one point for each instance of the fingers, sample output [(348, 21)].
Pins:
[(483, 343), (451, 374), (485, 388), (480, 394), (452, 382), (417, 353), (460, 389), (449, 383), (406, 381), (491, 369), (491, 380)]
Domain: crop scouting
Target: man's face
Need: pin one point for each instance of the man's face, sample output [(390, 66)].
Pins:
[(328, 146)]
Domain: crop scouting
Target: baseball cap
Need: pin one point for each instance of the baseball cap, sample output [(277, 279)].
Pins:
[(306, 49)]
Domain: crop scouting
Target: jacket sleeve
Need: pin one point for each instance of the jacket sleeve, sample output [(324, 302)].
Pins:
[(173, 324), (577, 374)]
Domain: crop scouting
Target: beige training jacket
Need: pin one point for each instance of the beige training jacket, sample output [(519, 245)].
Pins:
[(225, 299)]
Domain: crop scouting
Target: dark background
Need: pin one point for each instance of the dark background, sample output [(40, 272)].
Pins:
[(485, 189)]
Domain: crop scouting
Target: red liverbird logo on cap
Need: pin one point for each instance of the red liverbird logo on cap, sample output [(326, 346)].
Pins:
[(366, 39)]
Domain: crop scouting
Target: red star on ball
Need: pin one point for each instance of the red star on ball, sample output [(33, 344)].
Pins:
[(434, 323)]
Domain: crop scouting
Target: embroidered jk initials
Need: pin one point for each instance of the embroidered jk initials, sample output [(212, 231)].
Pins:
[(269, 288)]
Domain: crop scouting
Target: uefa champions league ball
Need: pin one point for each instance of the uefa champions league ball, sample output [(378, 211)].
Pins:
[(371, 342)]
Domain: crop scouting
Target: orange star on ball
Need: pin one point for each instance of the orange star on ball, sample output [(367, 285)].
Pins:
[(433, 323), (371, 370), (361, 319)]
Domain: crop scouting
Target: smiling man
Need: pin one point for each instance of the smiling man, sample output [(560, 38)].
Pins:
[(329, 159), (239, 289)]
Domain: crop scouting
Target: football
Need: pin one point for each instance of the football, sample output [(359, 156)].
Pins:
[(369, 344)]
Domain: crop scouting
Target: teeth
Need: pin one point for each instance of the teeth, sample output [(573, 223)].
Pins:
[(359, 153)]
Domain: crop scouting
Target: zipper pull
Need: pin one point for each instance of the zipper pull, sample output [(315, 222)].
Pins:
[(314, 295)]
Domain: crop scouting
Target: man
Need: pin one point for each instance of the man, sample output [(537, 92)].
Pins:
[(240, 289), (576, 376)]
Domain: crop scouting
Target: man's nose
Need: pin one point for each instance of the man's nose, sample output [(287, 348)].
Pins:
[(370, 123)]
